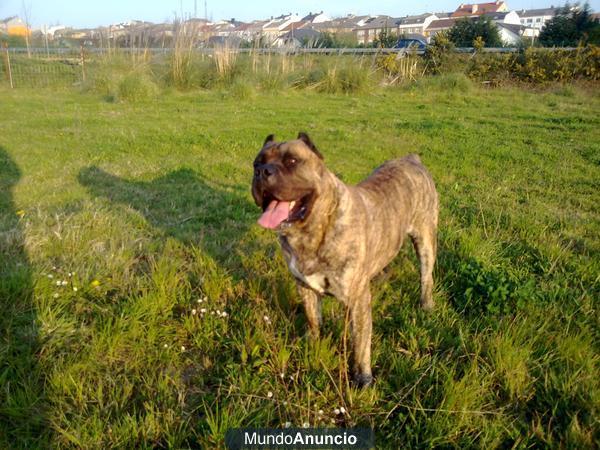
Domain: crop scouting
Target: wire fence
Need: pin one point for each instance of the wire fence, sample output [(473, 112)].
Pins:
[(55, 67), (59, 67)]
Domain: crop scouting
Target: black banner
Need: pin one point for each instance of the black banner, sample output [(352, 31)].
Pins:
[(300, 438)]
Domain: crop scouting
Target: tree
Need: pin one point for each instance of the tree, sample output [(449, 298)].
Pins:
[(466, 31), (386, 39), (571, 26), (336, 40)]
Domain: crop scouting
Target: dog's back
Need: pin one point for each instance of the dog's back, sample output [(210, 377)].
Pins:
[(399, 197), (408, 178)]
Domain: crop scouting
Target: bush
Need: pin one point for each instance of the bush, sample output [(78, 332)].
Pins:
[(440, 56), (309, 78), (353, 79), (272, 82), (137, 86), (343, 80), (399, 68), (537, 65), (242, 90), (466, 31)]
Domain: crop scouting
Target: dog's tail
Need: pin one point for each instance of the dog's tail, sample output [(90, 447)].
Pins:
[(414, 158)]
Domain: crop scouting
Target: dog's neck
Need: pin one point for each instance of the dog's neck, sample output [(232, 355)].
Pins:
[(309, 235)]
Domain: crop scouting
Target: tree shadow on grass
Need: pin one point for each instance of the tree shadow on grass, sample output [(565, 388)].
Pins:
[(216, 217), (184, 205), (21, 394)]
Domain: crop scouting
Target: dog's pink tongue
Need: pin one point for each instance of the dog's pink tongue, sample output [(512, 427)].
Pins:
[(275, 213)]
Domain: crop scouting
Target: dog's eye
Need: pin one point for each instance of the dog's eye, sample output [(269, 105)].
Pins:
[(290, 162)]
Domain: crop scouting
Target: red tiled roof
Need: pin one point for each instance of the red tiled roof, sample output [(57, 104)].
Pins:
[(295, 26), (477, 9)]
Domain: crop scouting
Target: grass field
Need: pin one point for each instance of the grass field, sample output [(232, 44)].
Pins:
[(127, 229)]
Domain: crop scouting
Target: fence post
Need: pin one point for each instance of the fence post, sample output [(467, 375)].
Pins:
[(8, 69), (82, 56)]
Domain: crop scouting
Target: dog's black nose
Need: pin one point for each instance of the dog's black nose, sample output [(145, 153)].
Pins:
[(264, 171)]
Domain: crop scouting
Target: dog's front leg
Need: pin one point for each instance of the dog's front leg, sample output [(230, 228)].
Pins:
[(312, 308), (361, 323)]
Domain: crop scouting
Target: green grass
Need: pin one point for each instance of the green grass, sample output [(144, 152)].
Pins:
[(145, 208)]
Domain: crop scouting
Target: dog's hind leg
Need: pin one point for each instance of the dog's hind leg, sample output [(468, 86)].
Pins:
[(312, 308), (361, 327), (425, 243)]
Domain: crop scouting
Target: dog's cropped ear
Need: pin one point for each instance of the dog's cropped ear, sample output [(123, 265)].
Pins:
[(304, 138), (270, 138)]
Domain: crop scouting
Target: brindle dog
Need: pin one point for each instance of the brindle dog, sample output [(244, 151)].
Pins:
[(336, 238)]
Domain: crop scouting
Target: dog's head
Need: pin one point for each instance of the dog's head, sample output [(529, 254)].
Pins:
[(287, 180)]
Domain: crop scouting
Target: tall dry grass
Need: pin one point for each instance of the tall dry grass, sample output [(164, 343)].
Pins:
[(225, 57), (184, 42)]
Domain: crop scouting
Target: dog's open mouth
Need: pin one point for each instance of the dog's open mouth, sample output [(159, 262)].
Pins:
[(276, 212)]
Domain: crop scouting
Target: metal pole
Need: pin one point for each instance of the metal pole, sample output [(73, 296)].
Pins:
[(46, 40), (8, 69), (82, 55)]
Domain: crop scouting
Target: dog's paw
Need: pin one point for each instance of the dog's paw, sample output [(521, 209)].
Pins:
[(427, 305), (363, 380)]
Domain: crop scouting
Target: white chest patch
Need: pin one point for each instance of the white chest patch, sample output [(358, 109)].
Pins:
[(316, 281)]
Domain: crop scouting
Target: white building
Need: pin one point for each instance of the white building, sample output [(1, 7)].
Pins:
[(536, 18), (315, 18), (273, 29), (512, 34), (504, 17), (373, 26), (510, 27), (415, 24)]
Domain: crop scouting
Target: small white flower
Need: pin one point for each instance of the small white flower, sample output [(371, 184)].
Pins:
[(285, 403), (182, 348), (269, 394), (53, 267), (266, 319), (320, 412), (224, 314), (50, 276), (218, 312), (70, 274), (64, 283), (291, 377), (336, 411), (58, 283), (288, 424), (55, 295), (74, 288), (332, 420), (282, 375), (212, 313), (203, 310), (306, 425), (342, 410), (166, 345), (193, 312), (199, 300)]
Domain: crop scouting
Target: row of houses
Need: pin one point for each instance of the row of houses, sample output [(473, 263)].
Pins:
[(295, 30), (512, 25)]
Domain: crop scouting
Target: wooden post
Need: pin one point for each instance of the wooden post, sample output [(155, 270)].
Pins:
[(82, 56), (8, 69)]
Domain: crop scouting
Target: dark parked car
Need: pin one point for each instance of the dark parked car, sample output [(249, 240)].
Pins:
[(411, 44)]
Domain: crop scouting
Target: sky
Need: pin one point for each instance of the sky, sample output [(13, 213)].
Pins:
[(83, 14)]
